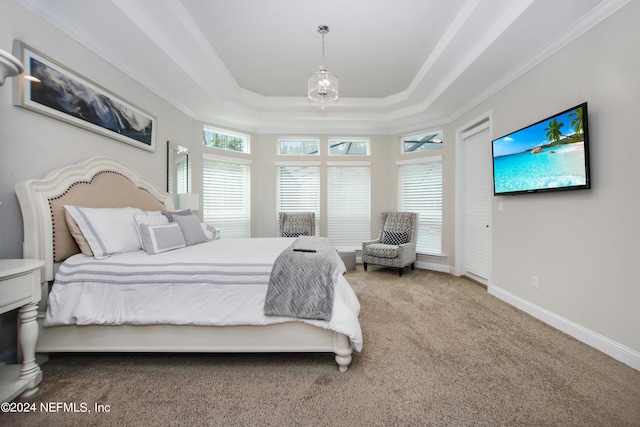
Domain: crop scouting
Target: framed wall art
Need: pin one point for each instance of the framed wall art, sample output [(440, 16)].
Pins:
[(48, 87)]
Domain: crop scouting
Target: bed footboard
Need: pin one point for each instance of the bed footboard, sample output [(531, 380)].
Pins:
[(290, 337)]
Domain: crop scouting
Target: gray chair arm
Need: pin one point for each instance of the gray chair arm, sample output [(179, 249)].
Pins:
[(370, 242), (407, 252)]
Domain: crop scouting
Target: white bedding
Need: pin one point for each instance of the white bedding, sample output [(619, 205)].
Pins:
[(222, 282)]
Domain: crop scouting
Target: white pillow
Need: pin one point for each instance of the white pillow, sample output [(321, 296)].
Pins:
[(161, 238), (149, 218), (108, 231)]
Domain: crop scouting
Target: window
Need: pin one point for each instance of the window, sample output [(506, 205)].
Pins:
[(422, 142), (299, 147), (349, 147), (227, 195), (299, 188), (224, 140), (420, 190), (348, 204)]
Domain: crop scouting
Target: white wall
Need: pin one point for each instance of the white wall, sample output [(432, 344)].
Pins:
[(583, 245)]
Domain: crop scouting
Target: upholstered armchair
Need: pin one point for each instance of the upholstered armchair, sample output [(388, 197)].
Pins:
[(396, 242), (294, 224)]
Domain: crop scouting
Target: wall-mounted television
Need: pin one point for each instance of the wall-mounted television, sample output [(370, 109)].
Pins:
[(549, 155)]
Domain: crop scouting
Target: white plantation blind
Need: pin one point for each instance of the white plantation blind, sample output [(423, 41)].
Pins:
[(420, 190), (227, 195), (299, 189), (349, 205)]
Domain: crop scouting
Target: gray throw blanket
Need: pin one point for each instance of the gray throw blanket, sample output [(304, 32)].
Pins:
[(302, 280)]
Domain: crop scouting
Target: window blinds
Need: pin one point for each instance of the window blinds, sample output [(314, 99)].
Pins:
[(227, 196), (299, 189), (349, 205), (420, 190)]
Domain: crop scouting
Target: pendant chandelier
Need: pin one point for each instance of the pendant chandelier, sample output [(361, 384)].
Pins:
[(323, 84)]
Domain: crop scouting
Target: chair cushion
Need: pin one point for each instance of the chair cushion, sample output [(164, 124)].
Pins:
[(382, 251), (394, 237)]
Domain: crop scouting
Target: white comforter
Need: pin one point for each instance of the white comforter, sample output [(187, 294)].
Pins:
[(222, 282)]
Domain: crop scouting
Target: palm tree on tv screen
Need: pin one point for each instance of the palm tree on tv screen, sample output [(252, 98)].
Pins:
[(576, 120), (553, 130)]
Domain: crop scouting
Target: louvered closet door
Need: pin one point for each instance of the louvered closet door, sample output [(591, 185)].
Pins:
[(477, 203)]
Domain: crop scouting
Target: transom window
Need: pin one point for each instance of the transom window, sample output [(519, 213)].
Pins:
[(422, 142), (298, 147), (225, 140), (349, 147)]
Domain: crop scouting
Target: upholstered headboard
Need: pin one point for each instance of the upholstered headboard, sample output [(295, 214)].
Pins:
[(98, 182)]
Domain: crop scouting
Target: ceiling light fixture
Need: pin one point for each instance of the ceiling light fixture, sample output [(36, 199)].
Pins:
[(323, 84)]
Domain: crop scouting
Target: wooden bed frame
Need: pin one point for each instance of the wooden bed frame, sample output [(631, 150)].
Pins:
[(107, 182)]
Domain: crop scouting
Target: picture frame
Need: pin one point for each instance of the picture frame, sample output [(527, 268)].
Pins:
[(50, 88)]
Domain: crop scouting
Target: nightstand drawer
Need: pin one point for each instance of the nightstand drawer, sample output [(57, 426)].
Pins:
[(19, 283), (16, 291)]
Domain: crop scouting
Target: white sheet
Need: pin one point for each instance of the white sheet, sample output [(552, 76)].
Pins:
[(222, 282)]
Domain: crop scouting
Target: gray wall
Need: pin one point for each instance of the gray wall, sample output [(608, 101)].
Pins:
[(582, 245)]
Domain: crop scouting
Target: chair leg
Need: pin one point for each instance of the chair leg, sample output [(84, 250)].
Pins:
[(413, 265), (364, 264), (400, 271)]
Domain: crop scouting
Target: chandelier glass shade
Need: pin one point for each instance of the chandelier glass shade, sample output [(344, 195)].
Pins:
[(322, 85)]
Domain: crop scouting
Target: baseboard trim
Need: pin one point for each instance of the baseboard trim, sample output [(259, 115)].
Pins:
[(612, 348), (435, 267), (423, 265)]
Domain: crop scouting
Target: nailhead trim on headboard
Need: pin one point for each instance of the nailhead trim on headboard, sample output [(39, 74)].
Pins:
[(83, 182)]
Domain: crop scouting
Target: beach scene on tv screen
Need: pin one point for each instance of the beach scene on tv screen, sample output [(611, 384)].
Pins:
[(547, 155)]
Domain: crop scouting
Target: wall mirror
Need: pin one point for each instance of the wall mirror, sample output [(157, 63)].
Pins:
[(178, 169)]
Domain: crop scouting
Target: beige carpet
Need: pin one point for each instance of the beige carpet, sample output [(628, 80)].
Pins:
[(438, 350)]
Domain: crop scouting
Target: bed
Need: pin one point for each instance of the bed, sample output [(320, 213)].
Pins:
[(218, 308)]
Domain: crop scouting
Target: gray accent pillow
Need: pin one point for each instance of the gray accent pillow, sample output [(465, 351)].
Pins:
[(171, 214), (191, 229), (161, 238)]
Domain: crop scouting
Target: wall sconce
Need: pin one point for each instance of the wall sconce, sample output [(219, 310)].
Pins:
[(189, 201), (10, 66)]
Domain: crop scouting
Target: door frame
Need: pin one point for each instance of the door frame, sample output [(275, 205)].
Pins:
[(460, 195)]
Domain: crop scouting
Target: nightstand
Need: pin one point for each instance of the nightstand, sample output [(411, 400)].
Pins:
[(20, 288)]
